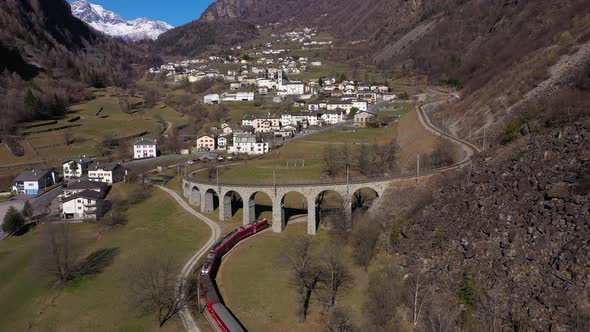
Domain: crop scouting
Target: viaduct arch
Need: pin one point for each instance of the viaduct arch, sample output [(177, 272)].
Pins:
[(205, 194), (212, 196)]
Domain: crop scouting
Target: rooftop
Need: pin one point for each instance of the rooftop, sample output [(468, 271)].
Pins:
[(88, 194), (105, 166), (81, 160), (89, 185), (31, 176), (145, 141)]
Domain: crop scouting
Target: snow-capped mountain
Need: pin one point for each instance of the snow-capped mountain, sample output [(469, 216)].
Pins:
[(114, 25)]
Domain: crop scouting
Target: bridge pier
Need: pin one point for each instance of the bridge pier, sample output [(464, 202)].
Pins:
[(278, 215), (249, 210), (225, 208), (207, 202), (311, 216), (347, 209)]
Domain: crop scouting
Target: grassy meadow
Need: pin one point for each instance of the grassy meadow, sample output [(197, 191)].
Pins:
[(156, 227)]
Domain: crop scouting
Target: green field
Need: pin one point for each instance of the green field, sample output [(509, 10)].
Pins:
[(301, 161), (254, 281), (156, 227), (91, 127)]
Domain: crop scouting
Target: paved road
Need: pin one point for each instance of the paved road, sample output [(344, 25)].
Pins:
[(186, 316), (39, 204)]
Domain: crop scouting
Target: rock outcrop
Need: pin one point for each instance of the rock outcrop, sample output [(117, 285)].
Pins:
[(522, 225)]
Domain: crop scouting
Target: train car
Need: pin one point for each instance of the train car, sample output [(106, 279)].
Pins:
[(209, 265), (208, 292), (217, 313), (225, 244), (252, 228), (225, 320)]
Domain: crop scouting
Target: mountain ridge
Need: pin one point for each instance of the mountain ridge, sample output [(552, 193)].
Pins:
[(114, 25)]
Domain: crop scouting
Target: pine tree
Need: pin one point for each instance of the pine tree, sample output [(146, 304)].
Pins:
[(27, 211), (13, 220)]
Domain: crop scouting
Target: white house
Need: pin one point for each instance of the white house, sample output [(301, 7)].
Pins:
[(235, 86), (248, 144), (145, 148), (291, 89), (333, 117), (77, 167), (226, 129), (206, 143), (238, 96), (108, 173), (31, 182), (85, 205), (360, 105), (389, 96), (222, 142), (211, 99), (263, 125), (335, 105)]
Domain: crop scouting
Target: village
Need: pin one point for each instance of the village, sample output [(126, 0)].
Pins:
[(303, 106), (263, 74)]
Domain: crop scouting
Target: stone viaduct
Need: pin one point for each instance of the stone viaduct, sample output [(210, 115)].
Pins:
[(207, 195)]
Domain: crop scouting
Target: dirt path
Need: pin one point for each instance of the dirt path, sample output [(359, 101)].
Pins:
[(186, 316)]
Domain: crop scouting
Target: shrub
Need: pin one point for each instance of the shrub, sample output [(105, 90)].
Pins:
[(510, 132), (13, 220)]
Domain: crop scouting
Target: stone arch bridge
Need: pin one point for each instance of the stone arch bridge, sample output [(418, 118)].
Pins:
[(209, 195), (204, 194)]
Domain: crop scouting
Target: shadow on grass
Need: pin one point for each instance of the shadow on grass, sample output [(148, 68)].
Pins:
[(97, 261), (25, 229)]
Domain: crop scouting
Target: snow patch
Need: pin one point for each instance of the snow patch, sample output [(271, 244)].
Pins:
[(114, 25)]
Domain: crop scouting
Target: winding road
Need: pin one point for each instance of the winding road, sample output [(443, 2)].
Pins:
[(186, 316)]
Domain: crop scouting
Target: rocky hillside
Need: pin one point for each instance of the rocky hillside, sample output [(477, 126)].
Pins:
[(499, 52), (519, 222)]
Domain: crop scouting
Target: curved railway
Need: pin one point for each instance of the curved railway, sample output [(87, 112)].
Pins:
[(216, 312), (219, 316)]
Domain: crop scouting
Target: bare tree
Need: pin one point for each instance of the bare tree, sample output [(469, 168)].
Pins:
[(442, 315), (154, 288), (340, 320), (364, 241), (336, 276), (444, 154), (344, 154), (417, 292), (305, 273), (69, 136), (384, 294), (57, 253), (211, 172), (330, 158)]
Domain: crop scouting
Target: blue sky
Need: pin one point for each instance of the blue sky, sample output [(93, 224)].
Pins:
[(175, 12)]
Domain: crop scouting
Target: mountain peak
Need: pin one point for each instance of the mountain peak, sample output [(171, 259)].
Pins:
[(114, 25)]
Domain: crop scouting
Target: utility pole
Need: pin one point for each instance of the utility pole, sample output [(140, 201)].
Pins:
[(418, 169), (347, 176)]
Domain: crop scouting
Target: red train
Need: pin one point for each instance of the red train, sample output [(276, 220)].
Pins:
[(219, 316)]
